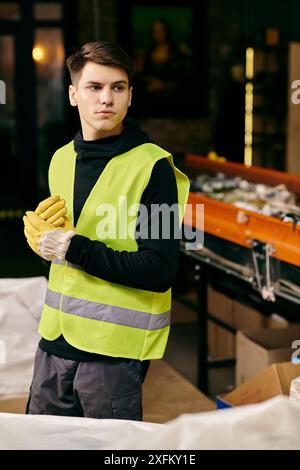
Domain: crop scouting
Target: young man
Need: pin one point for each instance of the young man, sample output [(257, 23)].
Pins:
[(107, 309)]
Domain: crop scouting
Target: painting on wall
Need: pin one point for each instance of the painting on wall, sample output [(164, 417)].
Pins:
[(167, 42)]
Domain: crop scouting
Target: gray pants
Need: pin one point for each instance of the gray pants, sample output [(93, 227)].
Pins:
[(108, 388)]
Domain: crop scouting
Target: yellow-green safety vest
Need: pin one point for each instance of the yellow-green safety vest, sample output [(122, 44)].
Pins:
[(95, 315)]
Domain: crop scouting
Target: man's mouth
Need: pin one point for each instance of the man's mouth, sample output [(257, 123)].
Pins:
[(105, 111)]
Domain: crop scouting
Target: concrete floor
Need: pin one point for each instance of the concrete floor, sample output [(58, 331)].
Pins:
[(167, 395), (170, 386)]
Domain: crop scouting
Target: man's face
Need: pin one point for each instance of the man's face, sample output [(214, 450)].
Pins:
[(103, 96)]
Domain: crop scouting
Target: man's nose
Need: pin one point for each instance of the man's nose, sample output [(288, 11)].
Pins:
[(106, 96)]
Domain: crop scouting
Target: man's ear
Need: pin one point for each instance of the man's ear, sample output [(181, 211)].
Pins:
[(130, 96), (73, 95)]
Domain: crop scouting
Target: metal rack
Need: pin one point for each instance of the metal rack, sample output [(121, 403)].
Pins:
[(255, 259)]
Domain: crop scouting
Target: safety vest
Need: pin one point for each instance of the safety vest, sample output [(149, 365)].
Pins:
[(95, 315)]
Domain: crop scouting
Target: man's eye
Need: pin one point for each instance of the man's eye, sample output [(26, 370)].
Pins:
[(118, 88), (94, 87)]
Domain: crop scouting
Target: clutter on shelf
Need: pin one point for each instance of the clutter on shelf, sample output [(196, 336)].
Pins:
[(276, 201)]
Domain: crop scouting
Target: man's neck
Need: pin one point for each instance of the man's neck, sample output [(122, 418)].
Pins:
[(89, 135)]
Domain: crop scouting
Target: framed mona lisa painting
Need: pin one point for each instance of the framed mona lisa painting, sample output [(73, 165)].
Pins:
[(168, 41)]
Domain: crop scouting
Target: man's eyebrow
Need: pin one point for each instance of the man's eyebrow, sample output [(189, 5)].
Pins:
[(118, 82)]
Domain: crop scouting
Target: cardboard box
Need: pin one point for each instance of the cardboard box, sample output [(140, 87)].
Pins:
[(219, 305), (257, 349), (272, 381), (246, 318), (234, 313), (13, 403), (221, 342), (277, 321)]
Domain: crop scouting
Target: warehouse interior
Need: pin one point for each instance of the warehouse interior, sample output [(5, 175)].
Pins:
[(226, 105)]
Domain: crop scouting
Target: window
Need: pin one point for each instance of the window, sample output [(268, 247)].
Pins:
[(47, 11)]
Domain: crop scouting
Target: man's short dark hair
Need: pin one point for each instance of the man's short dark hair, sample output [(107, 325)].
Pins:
[(102, 53)]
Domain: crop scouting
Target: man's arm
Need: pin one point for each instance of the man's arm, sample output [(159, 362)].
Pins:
[(153, 266)]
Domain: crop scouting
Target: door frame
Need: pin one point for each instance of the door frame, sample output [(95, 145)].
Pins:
[(23, 31)]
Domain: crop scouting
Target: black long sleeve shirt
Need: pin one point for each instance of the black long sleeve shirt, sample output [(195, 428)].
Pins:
[(153, 266)]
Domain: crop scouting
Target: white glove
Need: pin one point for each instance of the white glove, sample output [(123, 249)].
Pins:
[(55, 243)]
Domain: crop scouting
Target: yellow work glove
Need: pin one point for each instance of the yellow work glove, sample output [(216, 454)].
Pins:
[(45, 239), (66, 225), (34, 229), (53, 210)]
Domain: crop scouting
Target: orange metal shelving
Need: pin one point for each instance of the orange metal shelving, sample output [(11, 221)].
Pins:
[(242, 226)]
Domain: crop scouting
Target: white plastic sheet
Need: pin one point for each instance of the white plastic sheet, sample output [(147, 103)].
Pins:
[(21, 302), (37, 432), (274, 424)]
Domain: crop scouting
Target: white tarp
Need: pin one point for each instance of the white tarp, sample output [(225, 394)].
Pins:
[(274, 424), (40, 432), (21, 302)]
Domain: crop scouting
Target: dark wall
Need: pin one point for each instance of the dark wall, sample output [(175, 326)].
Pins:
[(231, 26), (256, 15)]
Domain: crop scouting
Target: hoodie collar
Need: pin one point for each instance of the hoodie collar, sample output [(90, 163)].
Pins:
[(131, 137)]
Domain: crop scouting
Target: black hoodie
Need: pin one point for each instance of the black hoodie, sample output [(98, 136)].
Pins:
[(153, 266)]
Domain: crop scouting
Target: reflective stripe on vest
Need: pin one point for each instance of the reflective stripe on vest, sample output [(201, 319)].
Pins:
[(107, 313)]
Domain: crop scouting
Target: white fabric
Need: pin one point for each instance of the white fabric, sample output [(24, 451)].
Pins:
[(21, 302), (274, 424), (55, 243), (295, 389), (40, 432)]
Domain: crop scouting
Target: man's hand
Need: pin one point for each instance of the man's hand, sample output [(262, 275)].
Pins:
[(45, 239), (34, 228), (53, 210), (66, 225)]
